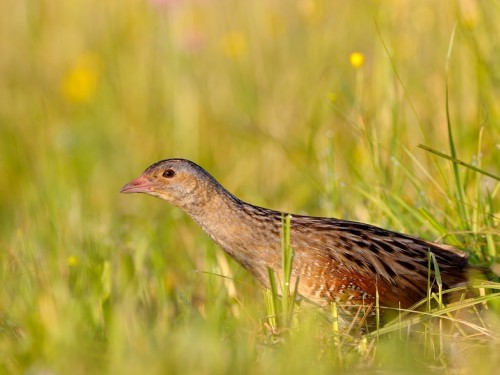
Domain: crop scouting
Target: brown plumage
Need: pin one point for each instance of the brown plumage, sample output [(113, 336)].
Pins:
[(334, 260)]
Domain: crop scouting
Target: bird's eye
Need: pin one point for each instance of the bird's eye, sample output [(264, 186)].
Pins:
[(169, 173)]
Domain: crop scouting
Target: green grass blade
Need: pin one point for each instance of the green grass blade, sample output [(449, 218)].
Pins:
[(287, 262), (272, 298), (460, 162), (458, 183), (439, 281), (429, 286)]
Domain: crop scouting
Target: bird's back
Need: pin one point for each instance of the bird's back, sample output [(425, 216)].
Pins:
[(346, 262), (365, 259)]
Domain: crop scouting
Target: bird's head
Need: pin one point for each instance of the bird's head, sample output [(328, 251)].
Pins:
[(178, 181)]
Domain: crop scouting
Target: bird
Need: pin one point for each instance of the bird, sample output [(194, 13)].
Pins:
[(352, 264)]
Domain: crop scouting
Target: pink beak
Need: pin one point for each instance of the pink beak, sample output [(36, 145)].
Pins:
[(139, 185)]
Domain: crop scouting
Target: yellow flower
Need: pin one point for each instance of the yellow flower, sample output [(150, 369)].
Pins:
[(357, 59), (234, 44), (72, 260), (80, 82)]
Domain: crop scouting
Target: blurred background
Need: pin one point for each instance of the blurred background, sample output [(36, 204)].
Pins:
[(307, 106)]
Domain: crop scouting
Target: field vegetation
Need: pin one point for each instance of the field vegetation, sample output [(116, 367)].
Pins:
[(381, 111)]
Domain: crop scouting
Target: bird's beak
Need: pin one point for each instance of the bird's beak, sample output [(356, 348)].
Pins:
[(139, 185)]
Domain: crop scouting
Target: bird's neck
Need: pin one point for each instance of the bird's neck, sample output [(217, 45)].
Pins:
[(238, 229)]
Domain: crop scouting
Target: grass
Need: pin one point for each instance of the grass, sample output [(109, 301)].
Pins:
[(314, 107)]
